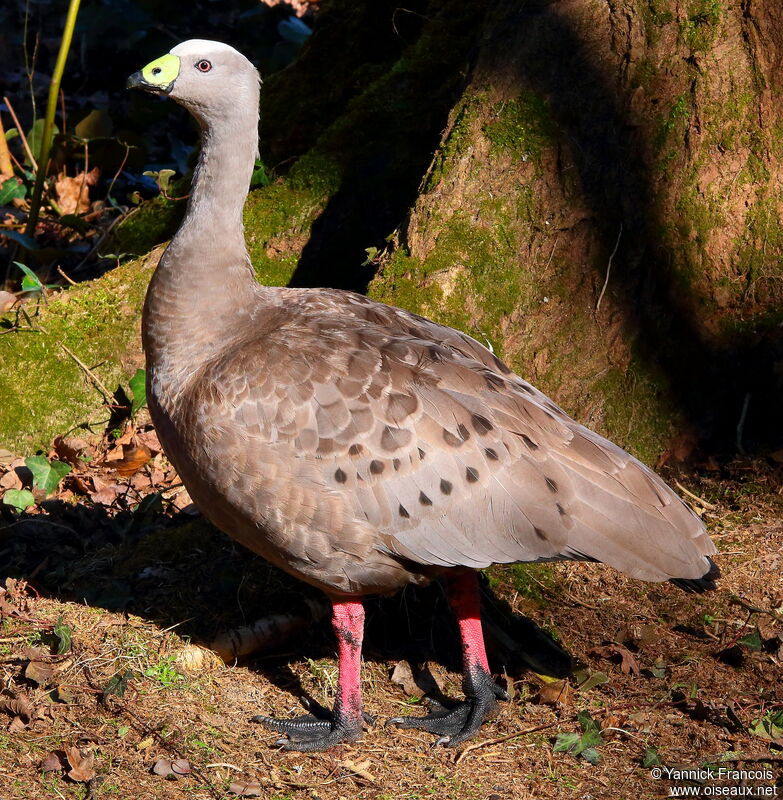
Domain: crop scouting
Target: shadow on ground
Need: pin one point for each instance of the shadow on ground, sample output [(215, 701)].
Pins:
[(180, 571)]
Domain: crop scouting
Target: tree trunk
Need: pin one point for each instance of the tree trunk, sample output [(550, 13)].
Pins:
[(602, 204)]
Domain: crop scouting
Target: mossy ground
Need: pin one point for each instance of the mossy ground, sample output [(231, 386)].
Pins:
[(45, 393)]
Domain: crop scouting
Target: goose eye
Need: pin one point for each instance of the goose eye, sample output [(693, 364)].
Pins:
[(204, 65)]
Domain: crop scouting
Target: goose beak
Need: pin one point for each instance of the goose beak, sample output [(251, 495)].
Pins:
[(157, 77)]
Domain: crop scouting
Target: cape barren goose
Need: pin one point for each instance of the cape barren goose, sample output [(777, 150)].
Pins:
[(360, 447)]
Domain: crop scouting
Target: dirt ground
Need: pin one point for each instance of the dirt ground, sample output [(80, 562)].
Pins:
[(667, 679)]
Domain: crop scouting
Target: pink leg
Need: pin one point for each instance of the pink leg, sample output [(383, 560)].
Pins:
[(463, 597), (458, 723), (348, 625), (311, 733)]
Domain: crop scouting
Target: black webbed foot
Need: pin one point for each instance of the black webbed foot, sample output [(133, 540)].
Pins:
[(456, 724)]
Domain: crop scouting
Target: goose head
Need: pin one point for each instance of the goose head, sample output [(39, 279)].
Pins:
[(210, 79)]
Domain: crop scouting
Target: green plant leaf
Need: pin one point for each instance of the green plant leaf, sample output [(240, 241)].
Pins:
[(591, 755), (651, 758), (117, 684), (46, 474), (770, 726), (567, 743), (752, 641), (588, 724), (260, 176), (593, 680), (162, 178), (63, 634), (11, 133), (31, 282), (35, 138), (96, 125), (138, 387), (18, 499), (12, 189)]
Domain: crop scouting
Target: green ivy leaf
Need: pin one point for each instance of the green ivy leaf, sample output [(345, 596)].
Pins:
[(592, 680), (567, 742), (138, 387), (18, 499), (651, 758), (117, 684), (46, 474), (63, 634), (752, 641), (591, 755)]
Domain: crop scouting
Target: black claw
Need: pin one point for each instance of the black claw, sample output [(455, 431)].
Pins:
[(309, 733), (456, 724)]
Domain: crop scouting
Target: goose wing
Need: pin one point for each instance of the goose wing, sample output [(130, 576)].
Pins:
[(444, 457)]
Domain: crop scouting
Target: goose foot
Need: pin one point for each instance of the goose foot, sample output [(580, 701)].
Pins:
[(310, 733), (456, 724)]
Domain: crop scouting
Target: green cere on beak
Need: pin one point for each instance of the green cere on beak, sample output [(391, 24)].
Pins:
[(158, 76)]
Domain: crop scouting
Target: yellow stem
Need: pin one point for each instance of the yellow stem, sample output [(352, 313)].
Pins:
[(51, 109)]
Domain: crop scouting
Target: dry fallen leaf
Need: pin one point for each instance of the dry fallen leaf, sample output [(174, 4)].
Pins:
[(51, 763), (418, 685), (628, 663), (133, 459), (150, 440), (73, 194), (246, 788), (39, 672), (360, 770), (172, 769), (7, 301), (71, 449), (81, 765), (194, 659), (555, 693), (11, 480)]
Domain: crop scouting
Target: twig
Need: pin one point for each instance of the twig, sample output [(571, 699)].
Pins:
[(72, 282), (609, 268), (119, 169), (107, 395), (102, 238), (505, 738), (701, 500), (25, 143)]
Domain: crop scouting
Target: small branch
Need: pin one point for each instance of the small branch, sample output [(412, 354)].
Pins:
[(700, 500), (25, 143), (96, 381), (60, 270), (609, 268), (488, 742)]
